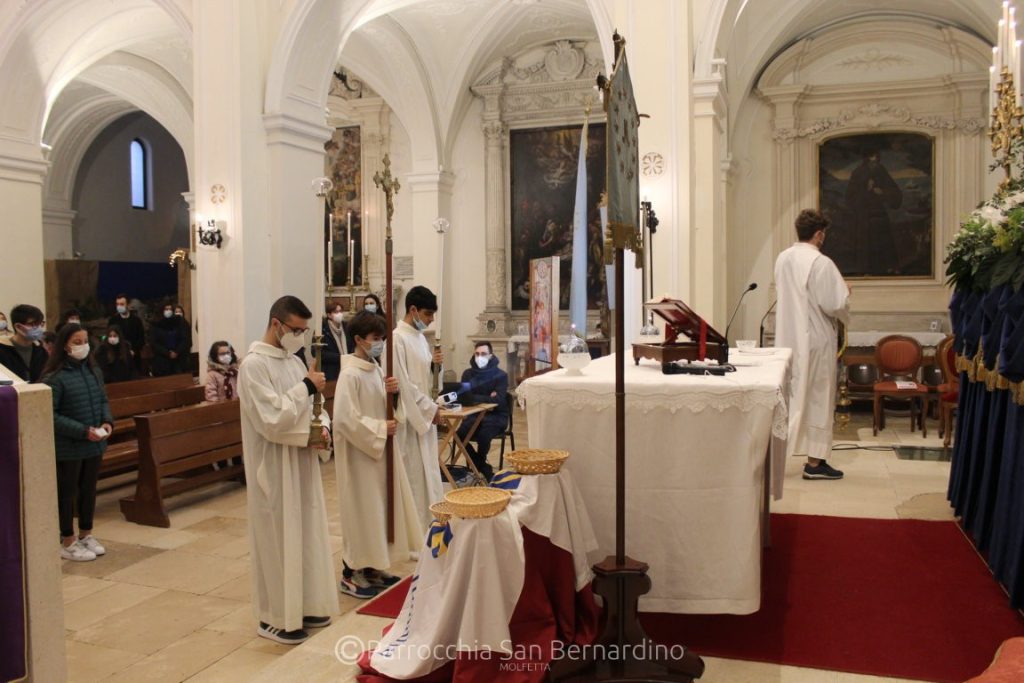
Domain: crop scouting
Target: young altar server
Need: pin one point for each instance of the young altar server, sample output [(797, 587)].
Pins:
[(416, 438), (289, 545), (361, 429), (812, 298)]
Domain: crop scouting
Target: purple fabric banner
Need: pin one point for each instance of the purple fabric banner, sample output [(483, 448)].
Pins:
[(13, 624)]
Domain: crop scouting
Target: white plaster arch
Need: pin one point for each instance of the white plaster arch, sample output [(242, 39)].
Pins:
[(47, 43)]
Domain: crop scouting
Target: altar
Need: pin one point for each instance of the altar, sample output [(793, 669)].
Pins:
[(703, 452)]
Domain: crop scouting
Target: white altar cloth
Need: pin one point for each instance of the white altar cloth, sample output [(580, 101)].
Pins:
[(696, 453)]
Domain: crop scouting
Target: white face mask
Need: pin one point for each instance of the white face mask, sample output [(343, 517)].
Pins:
[(337, 318), (371, 307), (376, 348), (168, 314), (224, 358), (290, 342), (74, 321), (482, 361), (3, 325), (80, 352), (113, 341), (122, 309)]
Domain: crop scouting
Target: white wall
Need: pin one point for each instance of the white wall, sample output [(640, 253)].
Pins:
[(106, 227)]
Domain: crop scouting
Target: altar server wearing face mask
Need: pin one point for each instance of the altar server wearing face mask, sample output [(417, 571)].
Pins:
[(22, 353), (81, 425), (416, 438), (289, 543), (336, 340), (484, 382)]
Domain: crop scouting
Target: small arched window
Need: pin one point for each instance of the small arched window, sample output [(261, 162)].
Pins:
[(139, 175)]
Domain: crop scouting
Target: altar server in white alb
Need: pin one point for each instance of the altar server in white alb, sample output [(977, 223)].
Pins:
[(289, 545), (812, 298), (361, 429), (417, 415)]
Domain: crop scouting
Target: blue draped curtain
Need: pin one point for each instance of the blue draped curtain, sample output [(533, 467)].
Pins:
[(986, 486)]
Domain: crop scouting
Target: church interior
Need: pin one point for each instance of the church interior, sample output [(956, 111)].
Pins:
[(170, 169)]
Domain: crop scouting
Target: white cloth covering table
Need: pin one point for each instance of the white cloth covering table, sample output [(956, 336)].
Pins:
[(695, 473)]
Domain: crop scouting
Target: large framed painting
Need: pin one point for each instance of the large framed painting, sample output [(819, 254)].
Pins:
[(544, 306), (343, 220), (543, 195), (879, 191)]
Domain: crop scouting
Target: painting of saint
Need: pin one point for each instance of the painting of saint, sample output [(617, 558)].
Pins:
[(544, 163), (877, 189), (543, 304)]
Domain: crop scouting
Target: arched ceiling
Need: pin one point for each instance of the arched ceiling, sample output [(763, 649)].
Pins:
[(423, 55), (749, 34)]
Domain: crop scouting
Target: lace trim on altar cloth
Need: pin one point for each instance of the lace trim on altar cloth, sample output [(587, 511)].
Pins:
[(693, 401)]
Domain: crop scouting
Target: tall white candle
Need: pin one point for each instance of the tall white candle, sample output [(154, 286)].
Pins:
[(351, 263), (992, 88), (1000, 44)]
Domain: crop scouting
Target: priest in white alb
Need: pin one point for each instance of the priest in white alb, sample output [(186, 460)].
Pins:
[(813, 298), (361, 429), (416, 438), (289, 546)]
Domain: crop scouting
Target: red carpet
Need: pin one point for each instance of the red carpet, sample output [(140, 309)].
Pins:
[(899, 598), (389, 603)]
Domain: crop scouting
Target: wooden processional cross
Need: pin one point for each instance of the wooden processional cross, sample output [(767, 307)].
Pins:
[(389, 185)]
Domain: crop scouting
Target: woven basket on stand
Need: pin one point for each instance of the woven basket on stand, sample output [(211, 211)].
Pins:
[(442, 511), (537, 460), (475, 502)]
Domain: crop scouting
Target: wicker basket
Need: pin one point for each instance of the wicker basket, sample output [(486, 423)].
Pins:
[(537, 460), (442, 511), (474, 502)]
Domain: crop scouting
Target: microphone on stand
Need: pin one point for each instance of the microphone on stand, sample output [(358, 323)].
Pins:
[(760, 339), (751, 287)]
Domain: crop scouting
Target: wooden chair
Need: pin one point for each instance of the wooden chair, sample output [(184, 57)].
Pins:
[(949, 391), (899, 358), (179, 444), (510, 398), (860, 381)]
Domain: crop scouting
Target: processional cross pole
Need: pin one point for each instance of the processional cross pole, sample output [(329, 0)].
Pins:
[(619, 579), (390, 187)]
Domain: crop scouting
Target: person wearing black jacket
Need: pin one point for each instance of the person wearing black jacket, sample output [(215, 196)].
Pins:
[(114, 357), (23, 353), (171, 340), (485, 382), (132, 329), (336, 340)]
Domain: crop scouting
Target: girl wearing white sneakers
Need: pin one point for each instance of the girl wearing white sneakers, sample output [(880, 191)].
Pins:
[(81, 425)]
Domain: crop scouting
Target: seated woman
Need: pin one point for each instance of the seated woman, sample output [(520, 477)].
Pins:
[(221, 373)]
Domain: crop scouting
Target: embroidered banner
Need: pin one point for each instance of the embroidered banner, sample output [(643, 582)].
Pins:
[(13, 621)]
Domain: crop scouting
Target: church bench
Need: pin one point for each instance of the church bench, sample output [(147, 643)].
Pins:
[(145, 396), (183, 444)]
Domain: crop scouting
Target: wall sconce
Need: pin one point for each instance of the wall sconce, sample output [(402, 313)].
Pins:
[(180, 256), (209, 234)]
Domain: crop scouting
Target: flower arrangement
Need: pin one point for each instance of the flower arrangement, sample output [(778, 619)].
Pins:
[(988, 251)]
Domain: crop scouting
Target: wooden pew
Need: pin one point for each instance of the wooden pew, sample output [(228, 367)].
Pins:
[(128, 399), (182, 442)]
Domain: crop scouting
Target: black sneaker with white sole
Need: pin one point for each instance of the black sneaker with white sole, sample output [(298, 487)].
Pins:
[(315, 622), (280, 635), (381, 579), (822, 471)]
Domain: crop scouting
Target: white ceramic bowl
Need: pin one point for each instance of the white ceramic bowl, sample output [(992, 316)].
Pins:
[(573, 362)]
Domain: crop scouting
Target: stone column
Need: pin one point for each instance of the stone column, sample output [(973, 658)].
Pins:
[(496, 135), (21, 260), (57, 232), (431, 199), (708, 283)]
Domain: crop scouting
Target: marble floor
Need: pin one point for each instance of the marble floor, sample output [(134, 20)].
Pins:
[(173, 604)]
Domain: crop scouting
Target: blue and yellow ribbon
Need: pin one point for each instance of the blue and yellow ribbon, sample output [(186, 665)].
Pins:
[(506, 479), (439, 536)]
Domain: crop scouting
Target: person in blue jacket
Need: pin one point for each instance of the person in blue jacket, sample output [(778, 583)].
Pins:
[(81, 425), (485, 382)]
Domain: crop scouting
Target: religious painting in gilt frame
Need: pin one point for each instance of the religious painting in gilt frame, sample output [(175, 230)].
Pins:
[(878, 189), (343, 166), (543, 303), (544, 163)]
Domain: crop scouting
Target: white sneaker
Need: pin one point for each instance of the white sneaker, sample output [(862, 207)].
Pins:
[(90, 543), (76, 552)]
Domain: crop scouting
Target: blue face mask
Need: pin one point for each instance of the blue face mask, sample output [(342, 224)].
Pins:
[(35, 333), (376, 348), (371, 307)]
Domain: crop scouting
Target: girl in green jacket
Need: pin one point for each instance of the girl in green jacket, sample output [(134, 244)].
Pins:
[(81, 425)]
